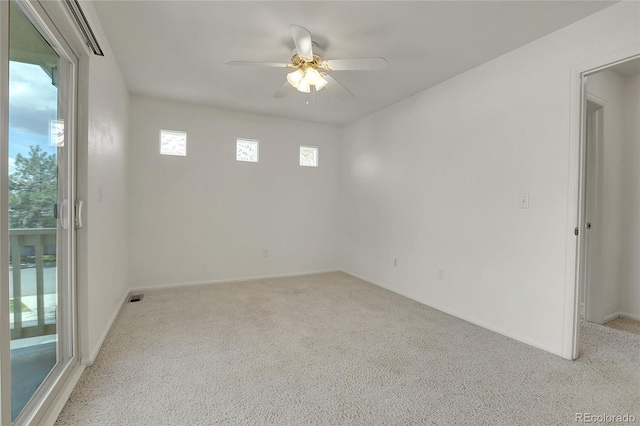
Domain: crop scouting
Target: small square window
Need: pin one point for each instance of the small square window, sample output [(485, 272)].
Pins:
[(173, 142), (56, 133), (247, 150), (309, 156)]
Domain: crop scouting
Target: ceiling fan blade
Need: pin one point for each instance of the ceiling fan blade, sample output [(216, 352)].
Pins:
[(302, 39), (258, 64), (360, 64), (342, 92), (283, 91)]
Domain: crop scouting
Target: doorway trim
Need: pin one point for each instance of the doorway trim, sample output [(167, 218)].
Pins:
[(594, 123), (575, 210)]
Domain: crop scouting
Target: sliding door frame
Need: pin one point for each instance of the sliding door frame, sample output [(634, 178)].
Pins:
[(5, 328), (68, 336)]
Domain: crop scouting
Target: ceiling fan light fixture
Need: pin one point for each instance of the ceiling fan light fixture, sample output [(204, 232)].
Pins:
[(304, 86), (312, 75), (294, 78), (308, 66), (320, 83)]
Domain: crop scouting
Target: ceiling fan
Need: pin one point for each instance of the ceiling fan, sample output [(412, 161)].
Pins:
[(311, 70)]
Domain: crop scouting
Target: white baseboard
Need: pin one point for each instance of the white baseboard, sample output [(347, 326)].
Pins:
[(96, 350), (630, 316), (51, 415), (610, 317), (621, 314), (458, 315), (227, 280)]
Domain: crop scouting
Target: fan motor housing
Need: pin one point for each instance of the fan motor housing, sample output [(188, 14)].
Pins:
[(316, 51)]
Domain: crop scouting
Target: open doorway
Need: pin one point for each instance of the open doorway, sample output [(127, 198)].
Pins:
[(610, 247)]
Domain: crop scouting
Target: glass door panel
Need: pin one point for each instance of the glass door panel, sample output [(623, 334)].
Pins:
[(39, 209)]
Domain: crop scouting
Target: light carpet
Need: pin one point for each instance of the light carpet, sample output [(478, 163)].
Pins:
[(625, 324), (330, 349)]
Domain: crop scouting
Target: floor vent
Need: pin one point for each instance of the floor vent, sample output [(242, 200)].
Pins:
[(135, 298)]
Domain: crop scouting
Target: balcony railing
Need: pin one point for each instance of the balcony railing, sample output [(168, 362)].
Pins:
[(33, 282)]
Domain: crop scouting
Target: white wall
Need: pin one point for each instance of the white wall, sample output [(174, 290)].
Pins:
[(102, 182), (608, 229), (206, 217), (435, 181), (630, 286)]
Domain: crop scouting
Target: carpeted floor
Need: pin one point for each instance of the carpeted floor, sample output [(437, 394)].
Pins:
[(330, 349), (625, 324)]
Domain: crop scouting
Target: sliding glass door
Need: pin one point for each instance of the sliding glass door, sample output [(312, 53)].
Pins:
[(40, 211)]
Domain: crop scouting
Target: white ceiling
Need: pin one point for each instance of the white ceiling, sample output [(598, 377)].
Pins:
[(178, 49)]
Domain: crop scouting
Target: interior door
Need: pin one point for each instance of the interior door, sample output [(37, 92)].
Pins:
[(41, 197)]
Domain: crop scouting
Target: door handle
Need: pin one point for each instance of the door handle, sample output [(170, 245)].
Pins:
[(62, 213), (79, 206)]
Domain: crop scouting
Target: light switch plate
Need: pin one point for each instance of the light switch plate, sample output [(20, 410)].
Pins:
[(523, 201)]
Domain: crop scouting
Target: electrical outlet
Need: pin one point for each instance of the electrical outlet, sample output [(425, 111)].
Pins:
[(265, 253), (441, 274), (395, 262)]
